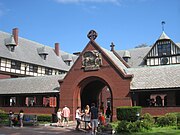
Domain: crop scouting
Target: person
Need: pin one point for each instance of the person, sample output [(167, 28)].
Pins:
[(78, 117), (59, 113), (21, 114), (108, 112), (87, 118), (102, 120), (94, 118), (65, 115), (11, 118), (102, 107)]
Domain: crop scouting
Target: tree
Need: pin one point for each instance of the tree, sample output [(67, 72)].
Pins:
[(141, 45)]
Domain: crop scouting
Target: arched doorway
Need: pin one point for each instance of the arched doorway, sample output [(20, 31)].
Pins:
[(95, 90)]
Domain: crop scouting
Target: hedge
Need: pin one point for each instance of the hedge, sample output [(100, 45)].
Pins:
[(128, 113), (44, 117)]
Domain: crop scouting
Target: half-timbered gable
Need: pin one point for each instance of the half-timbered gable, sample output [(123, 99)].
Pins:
[(163, 52)]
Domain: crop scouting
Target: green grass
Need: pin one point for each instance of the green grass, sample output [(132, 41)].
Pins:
[(162, 131), (157, 131)]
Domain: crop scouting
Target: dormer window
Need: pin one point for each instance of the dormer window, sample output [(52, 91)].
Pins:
[(43, 56), (164, 49), (67, 59), (10, 43), (126, 55), (68, 63), (42, 53)]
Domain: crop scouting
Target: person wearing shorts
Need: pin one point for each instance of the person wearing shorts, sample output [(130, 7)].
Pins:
[(65, 115), (94, 118)]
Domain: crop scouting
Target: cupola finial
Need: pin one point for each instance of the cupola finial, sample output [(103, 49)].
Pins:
[(163, 23)]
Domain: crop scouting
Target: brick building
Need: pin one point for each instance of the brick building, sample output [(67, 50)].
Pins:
[(29, 74), (147, 76)]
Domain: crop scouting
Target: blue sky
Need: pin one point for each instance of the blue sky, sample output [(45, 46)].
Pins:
[(127, 23)]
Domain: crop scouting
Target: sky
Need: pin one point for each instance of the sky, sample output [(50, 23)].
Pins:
[(126, 23)]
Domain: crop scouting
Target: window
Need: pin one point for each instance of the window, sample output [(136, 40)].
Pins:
[(61, 72), (30, 101), (33, 68), (164, 49), (126, 59), (43, 56), (48, 71), (11, 48), (15, 65), (68, 63), (12, 101), (158, 101)]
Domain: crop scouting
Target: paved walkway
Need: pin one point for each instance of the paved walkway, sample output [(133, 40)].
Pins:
[(42, 130)]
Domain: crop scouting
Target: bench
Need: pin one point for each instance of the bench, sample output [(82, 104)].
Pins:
[(30, 119)]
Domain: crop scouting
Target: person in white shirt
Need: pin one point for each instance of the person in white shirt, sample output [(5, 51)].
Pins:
[(59, 113), (78, 117), (21, 114)]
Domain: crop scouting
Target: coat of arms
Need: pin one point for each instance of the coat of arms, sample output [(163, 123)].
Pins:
[(91, 60)]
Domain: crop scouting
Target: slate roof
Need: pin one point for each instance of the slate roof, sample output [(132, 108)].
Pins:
[(163, 36), (155, 77), (118, 63), (31, 85), (27, 51), (137, 55)]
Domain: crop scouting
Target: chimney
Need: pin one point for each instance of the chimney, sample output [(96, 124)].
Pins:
[(57, 49), (15, 34)]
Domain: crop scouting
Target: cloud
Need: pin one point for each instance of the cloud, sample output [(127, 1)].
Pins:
[(117, 2)]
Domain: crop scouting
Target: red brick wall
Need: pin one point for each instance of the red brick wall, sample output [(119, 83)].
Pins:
[(30, 110), (73, 82), (155, 111), (4, 76)]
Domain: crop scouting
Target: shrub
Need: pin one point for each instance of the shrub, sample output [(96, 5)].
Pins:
[(44, 117), (122, 126), (169, 119), (162, 121), (135, 126), (178, 117), (3, 115), (146, 125), (172, 119), (149, 118), (128, 113)]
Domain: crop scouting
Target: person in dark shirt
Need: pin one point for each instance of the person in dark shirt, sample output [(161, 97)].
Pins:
[(108, 112), (94, 118)]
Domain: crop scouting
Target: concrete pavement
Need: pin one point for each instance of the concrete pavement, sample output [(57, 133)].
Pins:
[(48, 129)]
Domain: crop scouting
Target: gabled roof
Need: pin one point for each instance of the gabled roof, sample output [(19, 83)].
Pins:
[(137, 55), (109, 55), (155, 77), (162, 37), (31, 85), (27, 51), (113, 59)]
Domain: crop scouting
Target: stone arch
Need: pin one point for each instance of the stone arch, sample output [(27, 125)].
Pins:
[(158, 101)]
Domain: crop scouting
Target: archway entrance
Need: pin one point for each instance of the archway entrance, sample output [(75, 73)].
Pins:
[(96, 90)]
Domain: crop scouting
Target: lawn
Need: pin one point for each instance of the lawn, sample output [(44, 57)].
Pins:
[(157, 131)]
